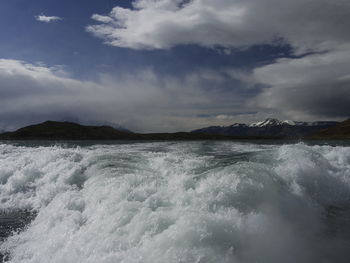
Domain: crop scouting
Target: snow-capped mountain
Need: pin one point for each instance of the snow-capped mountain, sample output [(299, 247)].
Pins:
[(272, 122), (269, 127)]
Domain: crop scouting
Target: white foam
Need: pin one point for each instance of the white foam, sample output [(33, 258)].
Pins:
[(174, 202)]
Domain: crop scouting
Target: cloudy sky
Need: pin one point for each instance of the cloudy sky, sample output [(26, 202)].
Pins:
[(170, 65)]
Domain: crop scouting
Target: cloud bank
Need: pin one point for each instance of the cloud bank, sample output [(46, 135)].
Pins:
[(149, 102), (47, 19), (141, 101)]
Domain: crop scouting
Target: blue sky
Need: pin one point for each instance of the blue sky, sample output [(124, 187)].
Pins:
[(68, 43), (161, 65)]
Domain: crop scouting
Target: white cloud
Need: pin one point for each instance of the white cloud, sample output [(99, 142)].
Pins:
[(157, 24), (47, 19), (141, 101)]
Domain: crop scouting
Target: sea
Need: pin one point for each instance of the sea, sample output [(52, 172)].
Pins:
[(164, 202)]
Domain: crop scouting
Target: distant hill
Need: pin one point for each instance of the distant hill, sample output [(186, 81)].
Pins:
[(339, 131), (67, 131), (53, 130), (270, 127)]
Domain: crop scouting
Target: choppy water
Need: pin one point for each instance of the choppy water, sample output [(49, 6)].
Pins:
[(175, 202)]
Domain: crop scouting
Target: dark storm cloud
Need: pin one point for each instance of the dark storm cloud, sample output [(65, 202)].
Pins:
[(315, 85)]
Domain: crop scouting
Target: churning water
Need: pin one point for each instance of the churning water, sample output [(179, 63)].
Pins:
[(167, 202)]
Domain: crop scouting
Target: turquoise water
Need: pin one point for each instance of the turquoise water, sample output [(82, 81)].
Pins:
[(257, 201)]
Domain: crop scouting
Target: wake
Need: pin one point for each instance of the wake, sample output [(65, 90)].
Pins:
[(178, 202)]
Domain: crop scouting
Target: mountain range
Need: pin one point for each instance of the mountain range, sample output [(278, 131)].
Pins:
[(54, 130), (270, 127)]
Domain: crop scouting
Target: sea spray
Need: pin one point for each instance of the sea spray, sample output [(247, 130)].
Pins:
[(178, 202)]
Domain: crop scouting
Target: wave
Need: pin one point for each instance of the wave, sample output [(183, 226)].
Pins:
[(178, 202)]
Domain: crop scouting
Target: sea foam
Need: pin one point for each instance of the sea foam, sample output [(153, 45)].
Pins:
[(178, 202)]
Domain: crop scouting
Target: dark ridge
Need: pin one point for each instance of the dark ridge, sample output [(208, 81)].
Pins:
[(53, 130), (341, 131)]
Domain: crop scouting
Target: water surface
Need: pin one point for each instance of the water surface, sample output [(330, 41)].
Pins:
[(207, 201)]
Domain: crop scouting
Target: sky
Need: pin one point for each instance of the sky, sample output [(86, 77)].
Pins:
[(173, 65)]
